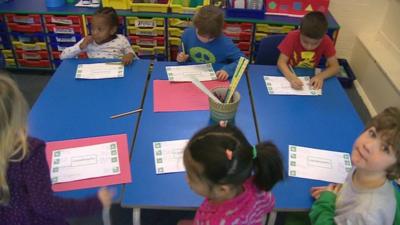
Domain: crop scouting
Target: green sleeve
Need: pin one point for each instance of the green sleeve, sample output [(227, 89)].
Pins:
[(323, 209)]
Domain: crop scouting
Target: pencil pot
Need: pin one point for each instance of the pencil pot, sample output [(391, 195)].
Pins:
[(223, 111)]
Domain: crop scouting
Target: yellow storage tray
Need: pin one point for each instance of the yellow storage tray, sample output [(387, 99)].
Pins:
[(156, 31), (175, 32), (7, 54), (141, 51), (145, 22), (175, 22), (117, 4), (175, 41), (11, 63), (274, 29), (260, 36), (182, 6), (30, 47), (137, 6)]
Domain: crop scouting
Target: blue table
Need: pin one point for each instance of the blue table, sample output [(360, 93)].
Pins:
[(69, 108), (149, 190), (327, 122)]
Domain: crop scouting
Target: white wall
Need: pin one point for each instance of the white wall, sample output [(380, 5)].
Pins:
[(354, 17), (391, 24)]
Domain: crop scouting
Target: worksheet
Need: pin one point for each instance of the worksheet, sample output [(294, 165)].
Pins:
[(100, 70), (203, 72), (168, 156), (84, 162), (318, 164), (281, 86)]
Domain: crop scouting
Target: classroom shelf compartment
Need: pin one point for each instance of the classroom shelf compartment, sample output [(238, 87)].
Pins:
[(175, 41), (139, 6), (260, 36), (29, 55), (5, 42), (156, 31), (147, 41), (187, 6), (29, 46), (276, 29), (32, 28), (144, 51), (179, 23), (60, 46), (117, 4), (64, 38), (63, 20), (238, 27), (241, 36), (244, 46), (67, 29), (23, 19), (7, 53), (245, 13), (145, 22), (34, 63), (175, 32), (27, 37), (10, 63)]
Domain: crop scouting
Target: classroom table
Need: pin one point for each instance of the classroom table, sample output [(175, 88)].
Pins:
[(69, 108), (326, 122), (149, 190)]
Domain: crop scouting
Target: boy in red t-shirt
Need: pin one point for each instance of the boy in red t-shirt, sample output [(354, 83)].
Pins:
[(305, 47)]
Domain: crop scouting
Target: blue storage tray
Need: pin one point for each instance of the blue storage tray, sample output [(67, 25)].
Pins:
[(64, 38), (60, 46), (244, 13), (28, 37)]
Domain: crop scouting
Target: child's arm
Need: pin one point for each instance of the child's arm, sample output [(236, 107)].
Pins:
[(79, 47), (332, 68), (233, 55), (129, 54), (323, 209), (183, 55), (41, 197), (295, 82)]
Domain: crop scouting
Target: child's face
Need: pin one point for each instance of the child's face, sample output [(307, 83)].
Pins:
[(204, 38), (309, 43), (101, 29), (371, 153)]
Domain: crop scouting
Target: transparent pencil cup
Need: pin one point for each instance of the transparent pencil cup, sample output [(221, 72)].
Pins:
[(223, 111)]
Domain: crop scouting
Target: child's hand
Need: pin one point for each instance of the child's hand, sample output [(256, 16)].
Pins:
[(317, 82), (127, 59), (88, 39), (296, 83), (334, 188), (105, 196), (182, 57), (222, 75)]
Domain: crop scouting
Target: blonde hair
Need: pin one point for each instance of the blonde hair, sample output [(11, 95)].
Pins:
[(13, 134)]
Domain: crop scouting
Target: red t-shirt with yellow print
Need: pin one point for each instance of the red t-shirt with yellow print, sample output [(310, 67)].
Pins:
[(300, 57)]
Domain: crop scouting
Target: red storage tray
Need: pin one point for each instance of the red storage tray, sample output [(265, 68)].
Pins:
[(28, 55), (243, 46), (34, 63), (238, 27), (242, 36), (31, 28), (24, 19), (56, 55), (69, 29), (147, 41), (64, 20)]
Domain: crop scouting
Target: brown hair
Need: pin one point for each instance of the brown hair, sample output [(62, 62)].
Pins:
[(387, 125), (314, 25), (110, 14), (209, 20)]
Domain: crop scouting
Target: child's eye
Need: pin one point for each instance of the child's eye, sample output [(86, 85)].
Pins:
[(386, 148)]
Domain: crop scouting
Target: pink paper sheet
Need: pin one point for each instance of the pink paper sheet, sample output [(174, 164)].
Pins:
[(123, 154), (182, 96)]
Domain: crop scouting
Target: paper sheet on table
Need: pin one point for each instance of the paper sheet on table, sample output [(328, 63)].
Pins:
[(80, 163), (202, 72), (99, 71), (91, 5), (173, 97), (318, 164), (281, 86), (168, 156), (124, 176)]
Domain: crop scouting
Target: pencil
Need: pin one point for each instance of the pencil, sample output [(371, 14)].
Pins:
[(125, 113), (183, 48)]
